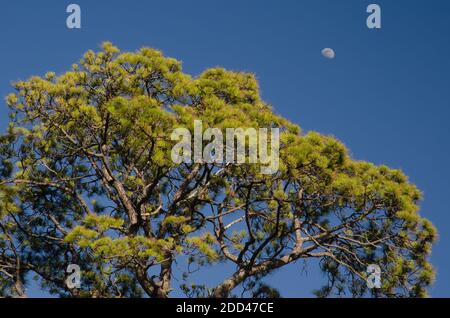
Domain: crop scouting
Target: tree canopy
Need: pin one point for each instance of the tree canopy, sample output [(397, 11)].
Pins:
[(87, 178)]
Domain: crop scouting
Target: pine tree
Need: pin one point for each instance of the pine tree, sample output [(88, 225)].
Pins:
[(87, 178)]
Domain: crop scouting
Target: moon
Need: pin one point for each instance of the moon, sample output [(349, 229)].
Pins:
[(328, 53)]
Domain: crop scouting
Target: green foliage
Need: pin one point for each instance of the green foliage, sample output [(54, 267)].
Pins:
[(87, 178)]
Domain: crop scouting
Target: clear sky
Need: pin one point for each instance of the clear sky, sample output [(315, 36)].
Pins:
[(386, 95)]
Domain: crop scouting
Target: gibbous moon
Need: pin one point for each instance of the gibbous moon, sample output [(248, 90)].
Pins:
[(328, 53)]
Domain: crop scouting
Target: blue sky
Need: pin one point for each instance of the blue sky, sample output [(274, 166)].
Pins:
[(386, 95)]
